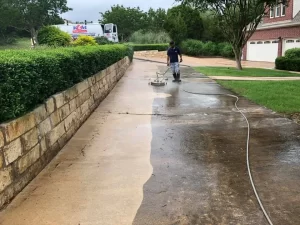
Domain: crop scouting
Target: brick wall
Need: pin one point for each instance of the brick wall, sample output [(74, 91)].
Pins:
[(287, 32), (29, 143), (288, 14)]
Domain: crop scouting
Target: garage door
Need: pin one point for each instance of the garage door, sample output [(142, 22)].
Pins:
[(290, 43), (265, 51)]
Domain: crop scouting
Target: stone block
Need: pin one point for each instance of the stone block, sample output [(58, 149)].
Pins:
[(29, 159), (12, 151), (5, 177), (91, 101), (50, 106), (113, 74), (93, 89), (16, 128), (73, 105), (81, 87), (84, 107), (43, 146), (40, 113), (70, 94), (100, 75), (55, 118), (64, 111), (84, 96), (30, 139), (1, 160), (59, 100), (1, 139), (44, 127), (91, 80), (70, 120), (56, 133)]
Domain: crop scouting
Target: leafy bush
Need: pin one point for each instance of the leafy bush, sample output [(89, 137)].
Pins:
[(293, 53), (285, 63), (150, 37), (198, 48), (146, 47), (103, 41), (53, 36), (84, 40), (28, 78)]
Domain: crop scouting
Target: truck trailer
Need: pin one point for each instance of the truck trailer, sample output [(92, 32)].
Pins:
[(110, 30)]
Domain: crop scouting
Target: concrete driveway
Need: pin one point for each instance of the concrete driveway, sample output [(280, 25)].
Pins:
[(159, 155), (203, 61)]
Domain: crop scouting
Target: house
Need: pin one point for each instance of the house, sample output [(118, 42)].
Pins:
[(278, 32)]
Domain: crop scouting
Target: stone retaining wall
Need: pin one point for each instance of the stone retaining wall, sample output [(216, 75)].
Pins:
[(29, 143)]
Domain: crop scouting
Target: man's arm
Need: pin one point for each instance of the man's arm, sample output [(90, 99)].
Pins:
[(179, 53), (168, 58)]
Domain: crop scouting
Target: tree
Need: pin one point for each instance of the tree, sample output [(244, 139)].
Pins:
[(176, 27), (9, 18), (211, 30), (191, 18), (156, 19), (238, 19), (127, 19), (35, 14)]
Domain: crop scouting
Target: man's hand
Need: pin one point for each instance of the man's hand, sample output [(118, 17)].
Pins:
[(180, 59), (168, 63)]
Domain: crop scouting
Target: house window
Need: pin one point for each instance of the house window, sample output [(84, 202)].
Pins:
[(298, 41), (259, 42), (277, 10), (283, 8), (252, 43), (267, 42), (274, 42), (290, 41), (271, 12)]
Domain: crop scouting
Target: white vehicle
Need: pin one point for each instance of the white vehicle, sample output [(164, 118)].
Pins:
[(110, 31)]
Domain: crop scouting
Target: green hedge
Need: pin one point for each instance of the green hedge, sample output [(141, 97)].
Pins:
[(146, 47), (290, 64), (293, 53), (199, 48), (29, 77)]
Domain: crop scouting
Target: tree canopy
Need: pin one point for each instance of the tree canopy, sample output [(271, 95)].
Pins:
[(31, 15), (238, 19)]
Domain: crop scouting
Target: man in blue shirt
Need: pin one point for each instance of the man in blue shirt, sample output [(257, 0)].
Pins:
[(173, 62)]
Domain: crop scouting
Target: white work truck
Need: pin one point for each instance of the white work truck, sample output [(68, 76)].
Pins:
[(110, 30)]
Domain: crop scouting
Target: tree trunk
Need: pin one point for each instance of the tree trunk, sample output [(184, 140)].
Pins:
[(238, 58), (34, 34)]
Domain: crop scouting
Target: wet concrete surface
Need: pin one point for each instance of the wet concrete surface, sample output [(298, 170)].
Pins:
[(199, 160), (160, 155)]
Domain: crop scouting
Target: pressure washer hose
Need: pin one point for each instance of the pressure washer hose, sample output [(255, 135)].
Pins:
[(247, 143), (247, 150)]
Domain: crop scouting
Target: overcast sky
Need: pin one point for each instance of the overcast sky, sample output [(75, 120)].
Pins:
[(89, 9)]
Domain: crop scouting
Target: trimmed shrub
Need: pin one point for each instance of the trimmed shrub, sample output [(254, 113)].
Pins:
[(146, 47), (28, 78), (285, 63), (53, 36), (225, 50), (293, 53), (102, 41), (84, 40), (150, 37), (199, 48)]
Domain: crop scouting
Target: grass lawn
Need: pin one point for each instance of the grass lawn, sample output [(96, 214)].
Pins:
[(280, 96), (22, 43), (246, 72)]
